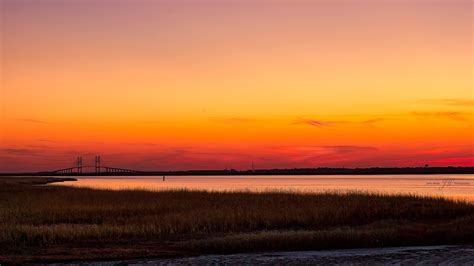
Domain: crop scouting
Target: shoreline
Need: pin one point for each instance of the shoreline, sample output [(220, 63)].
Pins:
[(429, 255), (55, 180), (32, 180)]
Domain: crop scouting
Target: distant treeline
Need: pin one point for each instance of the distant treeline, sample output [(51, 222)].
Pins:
[(294, 171), (330, 171)]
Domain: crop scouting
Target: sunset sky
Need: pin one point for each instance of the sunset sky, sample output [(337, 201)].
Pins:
[(214, 84)]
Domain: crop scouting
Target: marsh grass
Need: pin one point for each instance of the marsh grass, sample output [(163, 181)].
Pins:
[(222, 222)]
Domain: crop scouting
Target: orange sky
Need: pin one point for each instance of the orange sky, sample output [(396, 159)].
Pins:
[(207, 84)]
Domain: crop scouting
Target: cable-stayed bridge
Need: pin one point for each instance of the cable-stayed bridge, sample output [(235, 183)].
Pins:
[(97, 168)]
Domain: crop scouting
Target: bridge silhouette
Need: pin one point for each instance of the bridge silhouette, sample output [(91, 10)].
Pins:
[(98, 168)]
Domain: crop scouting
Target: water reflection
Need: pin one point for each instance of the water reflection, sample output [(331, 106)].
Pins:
[(451, 186)]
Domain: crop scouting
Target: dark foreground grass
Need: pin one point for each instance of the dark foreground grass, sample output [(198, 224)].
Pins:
[(43, 223)]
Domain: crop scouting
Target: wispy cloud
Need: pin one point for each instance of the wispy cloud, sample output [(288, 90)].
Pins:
[(139, 144), (317, 123), (16, 151), (349, 148), (29, 120), (450, 102), (234, 120), (330, 123), (372, 122), (47, 140), (457, 116)]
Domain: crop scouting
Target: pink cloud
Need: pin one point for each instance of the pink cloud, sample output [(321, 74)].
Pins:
[(162, 157)]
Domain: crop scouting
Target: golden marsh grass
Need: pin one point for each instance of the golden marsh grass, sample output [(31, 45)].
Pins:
[(194, 222)]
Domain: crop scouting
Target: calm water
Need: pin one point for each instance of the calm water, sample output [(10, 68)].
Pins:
[(452, 186)]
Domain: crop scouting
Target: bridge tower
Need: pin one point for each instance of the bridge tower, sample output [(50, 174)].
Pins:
[(79, 164), (97, 164)]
